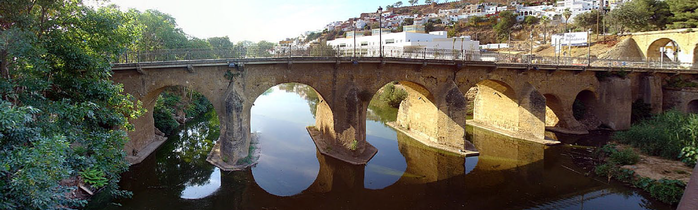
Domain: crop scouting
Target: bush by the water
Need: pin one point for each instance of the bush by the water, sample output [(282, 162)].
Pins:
[(667, 191), (393, 96), (671, 135)]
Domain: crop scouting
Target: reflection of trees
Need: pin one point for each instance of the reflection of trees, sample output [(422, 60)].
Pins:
[(380, 109), (184, 160), (304, 91)]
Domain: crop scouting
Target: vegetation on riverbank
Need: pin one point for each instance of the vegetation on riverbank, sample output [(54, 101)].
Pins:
[(672, 135), (665, 190), (385, 103), (61, 117)]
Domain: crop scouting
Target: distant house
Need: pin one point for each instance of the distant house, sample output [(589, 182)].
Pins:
[(408, 44)]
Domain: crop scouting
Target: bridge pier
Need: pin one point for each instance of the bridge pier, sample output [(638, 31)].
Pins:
[(435, 120), (340, 132)]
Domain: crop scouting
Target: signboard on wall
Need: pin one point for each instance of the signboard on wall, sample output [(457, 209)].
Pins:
[(574, 39)]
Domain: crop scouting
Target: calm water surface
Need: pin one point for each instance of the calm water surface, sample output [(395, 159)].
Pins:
[(291, 174)]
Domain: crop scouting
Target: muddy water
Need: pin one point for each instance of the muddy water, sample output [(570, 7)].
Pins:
[(291, 174)]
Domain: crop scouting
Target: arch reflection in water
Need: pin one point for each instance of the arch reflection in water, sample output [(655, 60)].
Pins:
[(287, 164), (200, 191)]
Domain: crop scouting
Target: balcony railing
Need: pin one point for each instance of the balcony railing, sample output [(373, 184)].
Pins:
[(409, 52)]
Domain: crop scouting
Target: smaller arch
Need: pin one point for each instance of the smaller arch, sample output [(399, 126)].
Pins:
[(692, 107), (496, 105), (583, 109), (654, 54)]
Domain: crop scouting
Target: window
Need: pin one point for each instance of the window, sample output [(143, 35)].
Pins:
[(364, 43), (389, 41)]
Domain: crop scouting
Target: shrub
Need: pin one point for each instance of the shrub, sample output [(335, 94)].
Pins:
[(163, 117), (665, 135), (625, 157), (94, 177), (393, 96)]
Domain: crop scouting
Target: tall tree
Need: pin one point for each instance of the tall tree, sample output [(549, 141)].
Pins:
[(685, 13), (220, 42), (641, 15), (58, 106), (413, 2), (398, 4), (588, 20), (567, 14), (160, 31), (507, 19)]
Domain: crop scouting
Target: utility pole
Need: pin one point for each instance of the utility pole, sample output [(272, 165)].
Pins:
[(380, 31), (354, 36), (589, 46)]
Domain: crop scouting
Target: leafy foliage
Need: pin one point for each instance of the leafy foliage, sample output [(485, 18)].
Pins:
[(588, 20), (60, 110), (666, 135), (393, 96), (685, 13), (668, 191), (507, 19), (94, 177), (641, 15)]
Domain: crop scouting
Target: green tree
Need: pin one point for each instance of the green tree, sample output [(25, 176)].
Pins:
[(507, 19), (59, 110), (429, 26), (408, 21), (159, 31), (685, 13), (413, 2), (531, 20), (588, 20), (398, 4), (567, 14), (220, 42), (544, 21), (427, 1), (641, 15)]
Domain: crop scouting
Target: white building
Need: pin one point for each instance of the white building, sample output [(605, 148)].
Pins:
[(576, 7), (407, 44)]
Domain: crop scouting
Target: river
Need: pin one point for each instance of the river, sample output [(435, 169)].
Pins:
[(404, 174)]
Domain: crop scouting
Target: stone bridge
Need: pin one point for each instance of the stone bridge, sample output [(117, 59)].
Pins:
[(517, 100), (685, 41)]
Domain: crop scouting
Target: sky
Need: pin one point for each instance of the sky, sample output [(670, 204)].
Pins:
[(255, 20)]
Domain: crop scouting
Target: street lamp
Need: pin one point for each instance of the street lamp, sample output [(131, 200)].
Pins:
[(380, 31)]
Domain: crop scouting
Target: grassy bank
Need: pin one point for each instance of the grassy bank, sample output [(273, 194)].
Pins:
[(670, 135), (611, 162)]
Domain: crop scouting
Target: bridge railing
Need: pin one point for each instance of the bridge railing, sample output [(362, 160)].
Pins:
[(406, 52)]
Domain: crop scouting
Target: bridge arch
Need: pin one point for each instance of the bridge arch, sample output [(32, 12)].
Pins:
[(654, 54), (496, 104), (692, 107), (436, 116), (145, 129), (278, 121), (584, 109), (554, 112)]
